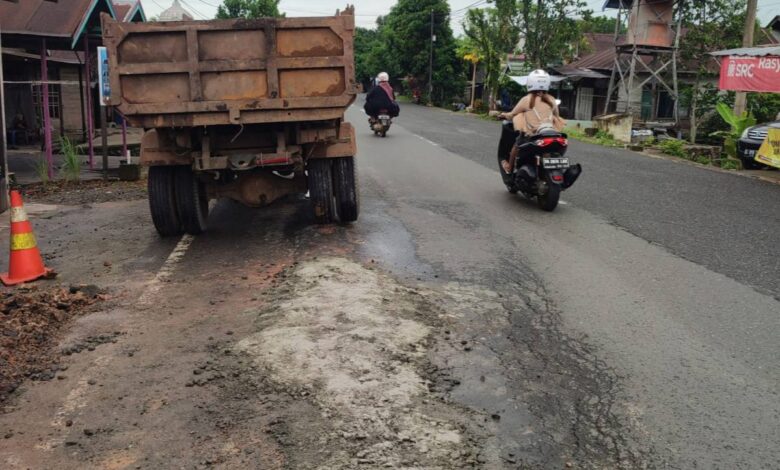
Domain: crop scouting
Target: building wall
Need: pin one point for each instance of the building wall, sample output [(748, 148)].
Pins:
[(72, 109)]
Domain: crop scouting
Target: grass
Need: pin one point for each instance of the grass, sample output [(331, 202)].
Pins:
[(42, 170), (601, 138), (673, 147), (71, 164)]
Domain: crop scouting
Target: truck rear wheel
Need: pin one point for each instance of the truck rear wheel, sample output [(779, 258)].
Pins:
[(192, 202), (162, 201), (321, 190), (345, 184)]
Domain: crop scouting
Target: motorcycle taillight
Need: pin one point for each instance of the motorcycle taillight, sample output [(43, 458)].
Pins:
[(544, 142)]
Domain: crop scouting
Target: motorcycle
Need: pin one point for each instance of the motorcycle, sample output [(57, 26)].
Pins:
[(417, 96), (380, 124), (542, 170)]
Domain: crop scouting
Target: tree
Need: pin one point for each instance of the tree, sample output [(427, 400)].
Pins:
[(369, 48), (710, 25), (590, 23), (549, 29), (469, 52), (406, 36), (248, 9), (493, 33)]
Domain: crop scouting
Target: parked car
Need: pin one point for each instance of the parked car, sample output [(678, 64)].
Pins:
[(751, 141)]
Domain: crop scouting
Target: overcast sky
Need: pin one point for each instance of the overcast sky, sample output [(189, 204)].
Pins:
[(368, 10)]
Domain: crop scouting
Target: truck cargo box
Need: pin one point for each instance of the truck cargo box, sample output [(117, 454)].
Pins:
[(238, 71)]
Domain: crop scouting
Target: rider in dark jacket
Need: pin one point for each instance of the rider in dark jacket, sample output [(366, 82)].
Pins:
[(381, 97)]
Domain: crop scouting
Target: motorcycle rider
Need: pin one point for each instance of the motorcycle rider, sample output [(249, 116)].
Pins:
[(536, 111), (381, 97)]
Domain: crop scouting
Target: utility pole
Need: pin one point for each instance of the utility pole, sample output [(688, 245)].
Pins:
[(430, 63), (740, 102)]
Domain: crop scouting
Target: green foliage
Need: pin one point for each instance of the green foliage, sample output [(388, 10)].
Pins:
[(730, 164), (764, 106), (403, 48), (549, 29), (71, 160), (368, 51), (589, 23), (710, 26), (42, 170), (480, 107), (248, 9), (738, 125), (491, 33), (601, 137), (673, 147)]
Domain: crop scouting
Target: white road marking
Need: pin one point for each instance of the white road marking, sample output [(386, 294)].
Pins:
[(426, 140), (77, 397), (563, 203), (166, 270)]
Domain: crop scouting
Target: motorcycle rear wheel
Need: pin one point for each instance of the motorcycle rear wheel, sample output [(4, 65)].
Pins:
[(549, 201)]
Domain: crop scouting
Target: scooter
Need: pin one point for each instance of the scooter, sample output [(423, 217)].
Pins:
[(380, 124), (542, 170)]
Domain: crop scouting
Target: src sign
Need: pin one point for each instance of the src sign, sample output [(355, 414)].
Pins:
[(760, 74)]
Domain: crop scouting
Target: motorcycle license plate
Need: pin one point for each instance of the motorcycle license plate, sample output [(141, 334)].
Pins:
[(384, 117), (555, 163)]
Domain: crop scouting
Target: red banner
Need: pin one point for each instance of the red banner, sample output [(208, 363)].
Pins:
[(760, 74)]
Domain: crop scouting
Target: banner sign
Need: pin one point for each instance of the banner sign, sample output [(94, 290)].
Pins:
[(761, 74), (769, 153), (104, 84)]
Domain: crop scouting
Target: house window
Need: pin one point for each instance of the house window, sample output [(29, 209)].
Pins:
[(55, 103)]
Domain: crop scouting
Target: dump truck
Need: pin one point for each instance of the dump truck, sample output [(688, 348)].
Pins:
[(246, 109)]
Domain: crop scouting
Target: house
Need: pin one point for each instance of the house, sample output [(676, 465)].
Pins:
[(67, 31), (175, 13), (588, 76), (772, 31)]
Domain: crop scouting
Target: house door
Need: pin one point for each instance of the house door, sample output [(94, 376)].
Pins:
[(584, 110), (647, 105)]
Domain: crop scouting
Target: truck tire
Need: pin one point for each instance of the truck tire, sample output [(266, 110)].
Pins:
[(192, 202), (162, 201), (345, 186), (321, 190)]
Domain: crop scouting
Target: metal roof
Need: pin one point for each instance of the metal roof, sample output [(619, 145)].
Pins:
[(758, 51), (126, 10), (65, 19)]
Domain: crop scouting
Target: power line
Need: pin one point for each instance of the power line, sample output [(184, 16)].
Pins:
[(194, 10), (209, 4), (468, 7)]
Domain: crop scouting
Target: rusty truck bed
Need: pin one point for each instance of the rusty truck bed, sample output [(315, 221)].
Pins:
[(198, 73)]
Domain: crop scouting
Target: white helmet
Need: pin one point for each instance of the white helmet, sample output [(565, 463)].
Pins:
[(538, 80), (383, 77)]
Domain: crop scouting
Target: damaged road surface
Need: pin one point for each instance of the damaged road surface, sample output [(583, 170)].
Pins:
[(454, 326)]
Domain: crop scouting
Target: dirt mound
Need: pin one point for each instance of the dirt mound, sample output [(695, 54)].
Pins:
[(30, 319), (85, 192)]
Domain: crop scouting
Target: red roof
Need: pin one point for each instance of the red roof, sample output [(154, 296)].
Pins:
[(122, 10), (126, 9)]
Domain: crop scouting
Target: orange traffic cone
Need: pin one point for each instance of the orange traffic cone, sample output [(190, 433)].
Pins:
[(25, 263)]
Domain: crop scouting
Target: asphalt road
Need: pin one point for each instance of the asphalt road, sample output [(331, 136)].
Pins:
[(453, 326), (725, 223), (661, 274)]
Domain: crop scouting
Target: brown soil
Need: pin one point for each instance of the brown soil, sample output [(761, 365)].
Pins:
[(84, 192), (30, 320)]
